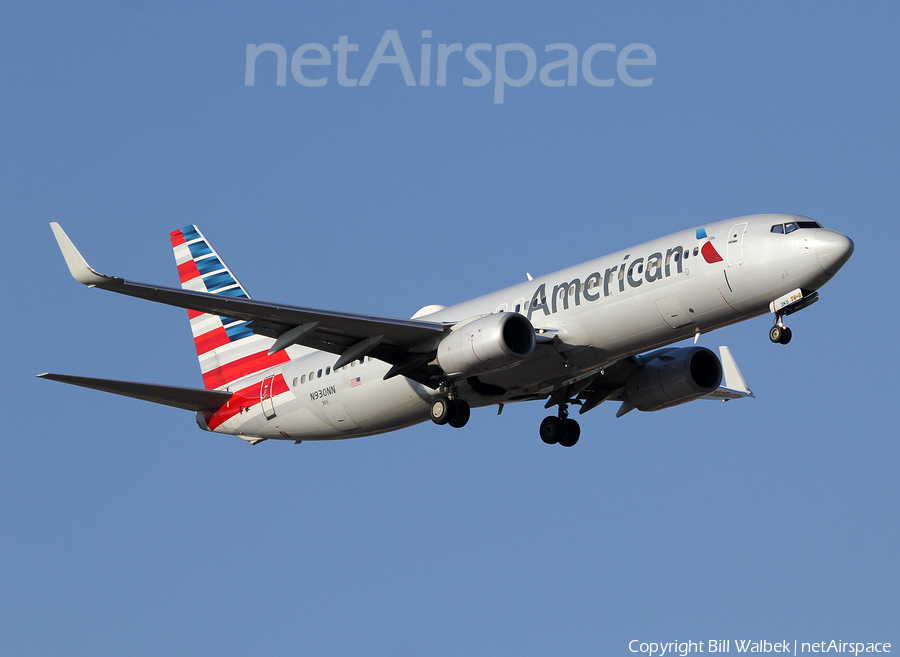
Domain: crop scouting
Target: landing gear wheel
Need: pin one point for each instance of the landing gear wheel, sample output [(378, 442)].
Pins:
[(440, 410), (775, 334), (572, 433), (785, 336), (459, 414), (552, 429)]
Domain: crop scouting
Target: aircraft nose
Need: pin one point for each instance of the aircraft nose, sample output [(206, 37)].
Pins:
[(832, 250)]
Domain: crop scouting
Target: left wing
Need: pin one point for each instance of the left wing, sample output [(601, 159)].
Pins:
[(406, 344)]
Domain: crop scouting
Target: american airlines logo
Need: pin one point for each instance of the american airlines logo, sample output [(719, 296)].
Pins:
[(474, 65), (631, 272)]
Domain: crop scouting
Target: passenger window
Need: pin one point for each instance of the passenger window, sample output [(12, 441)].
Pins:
[(501, 308), (303, 379), (778, 228), (319, 374), (696, 250), (327, 370), (295, 382)]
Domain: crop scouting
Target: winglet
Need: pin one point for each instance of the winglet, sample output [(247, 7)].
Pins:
[(79, 268), (734, 380)]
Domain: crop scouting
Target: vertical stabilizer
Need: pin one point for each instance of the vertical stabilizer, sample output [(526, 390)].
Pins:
[(228, 350)]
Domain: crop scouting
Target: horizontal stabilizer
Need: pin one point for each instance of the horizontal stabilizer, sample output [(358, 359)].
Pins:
[(190, 399)]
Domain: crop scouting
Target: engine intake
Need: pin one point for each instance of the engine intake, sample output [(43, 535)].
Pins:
[(674, 377), (487, 344)]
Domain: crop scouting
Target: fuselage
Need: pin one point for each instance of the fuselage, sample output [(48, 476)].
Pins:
[(599, 312)]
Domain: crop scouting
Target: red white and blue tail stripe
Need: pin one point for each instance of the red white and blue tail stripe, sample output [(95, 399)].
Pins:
[(228, 350)]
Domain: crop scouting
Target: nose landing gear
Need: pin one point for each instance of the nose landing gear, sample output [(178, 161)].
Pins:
[(560, 429), (780, 334), (788, 305)]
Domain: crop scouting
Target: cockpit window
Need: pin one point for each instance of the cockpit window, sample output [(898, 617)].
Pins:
[(783, 229)]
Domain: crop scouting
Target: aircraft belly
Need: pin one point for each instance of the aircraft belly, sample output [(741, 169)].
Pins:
[(348, 407), (303, 423)]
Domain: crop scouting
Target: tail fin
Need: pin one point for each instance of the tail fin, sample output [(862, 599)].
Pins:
[(228, 350)]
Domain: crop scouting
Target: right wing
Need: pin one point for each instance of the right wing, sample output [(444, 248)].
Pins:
[(404, 343), (733, 386)]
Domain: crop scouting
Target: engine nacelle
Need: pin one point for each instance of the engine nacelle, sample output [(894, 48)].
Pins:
[(487, 344), (674, 377)]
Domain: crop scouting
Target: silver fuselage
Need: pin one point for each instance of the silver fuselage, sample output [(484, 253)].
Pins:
[(601, 311)]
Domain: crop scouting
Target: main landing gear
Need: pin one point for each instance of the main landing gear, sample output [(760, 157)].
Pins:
[(448, 411), (560, 429)]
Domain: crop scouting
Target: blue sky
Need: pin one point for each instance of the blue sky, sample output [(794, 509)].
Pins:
[(128, 530)]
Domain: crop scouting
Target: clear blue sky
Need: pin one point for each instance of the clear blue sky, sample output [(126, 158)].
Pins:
[(127, 530)]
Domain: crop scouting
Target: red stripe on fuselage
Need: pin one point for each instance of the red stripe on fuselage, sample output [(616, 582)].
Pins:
[(210, 340), (242, 367), (242, 400)]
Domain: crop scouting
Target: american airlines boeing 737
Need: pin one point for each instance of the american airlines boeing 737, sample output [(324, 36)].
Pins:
[(591, 333)]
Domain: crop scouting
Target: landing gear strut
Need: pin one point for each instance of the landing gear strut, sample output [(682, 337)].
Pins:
[(453, 412), (560, 429), (787, 305)]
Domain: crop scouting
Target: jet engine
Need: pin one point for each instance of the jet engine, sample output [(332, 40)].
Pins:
[(487, 344), (673, 377)]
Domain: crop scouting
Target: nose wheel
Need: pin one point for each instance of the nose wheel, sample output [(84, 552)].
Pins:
[(788, 305), (780, 334)]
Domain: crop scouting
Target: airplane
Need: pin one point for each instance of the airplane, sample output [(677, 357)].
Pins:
[(581, 336)]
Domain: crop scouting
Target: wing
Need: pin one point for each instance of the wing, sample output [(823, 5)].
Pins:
[(406, 344), (733, 385), (610, 384)]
